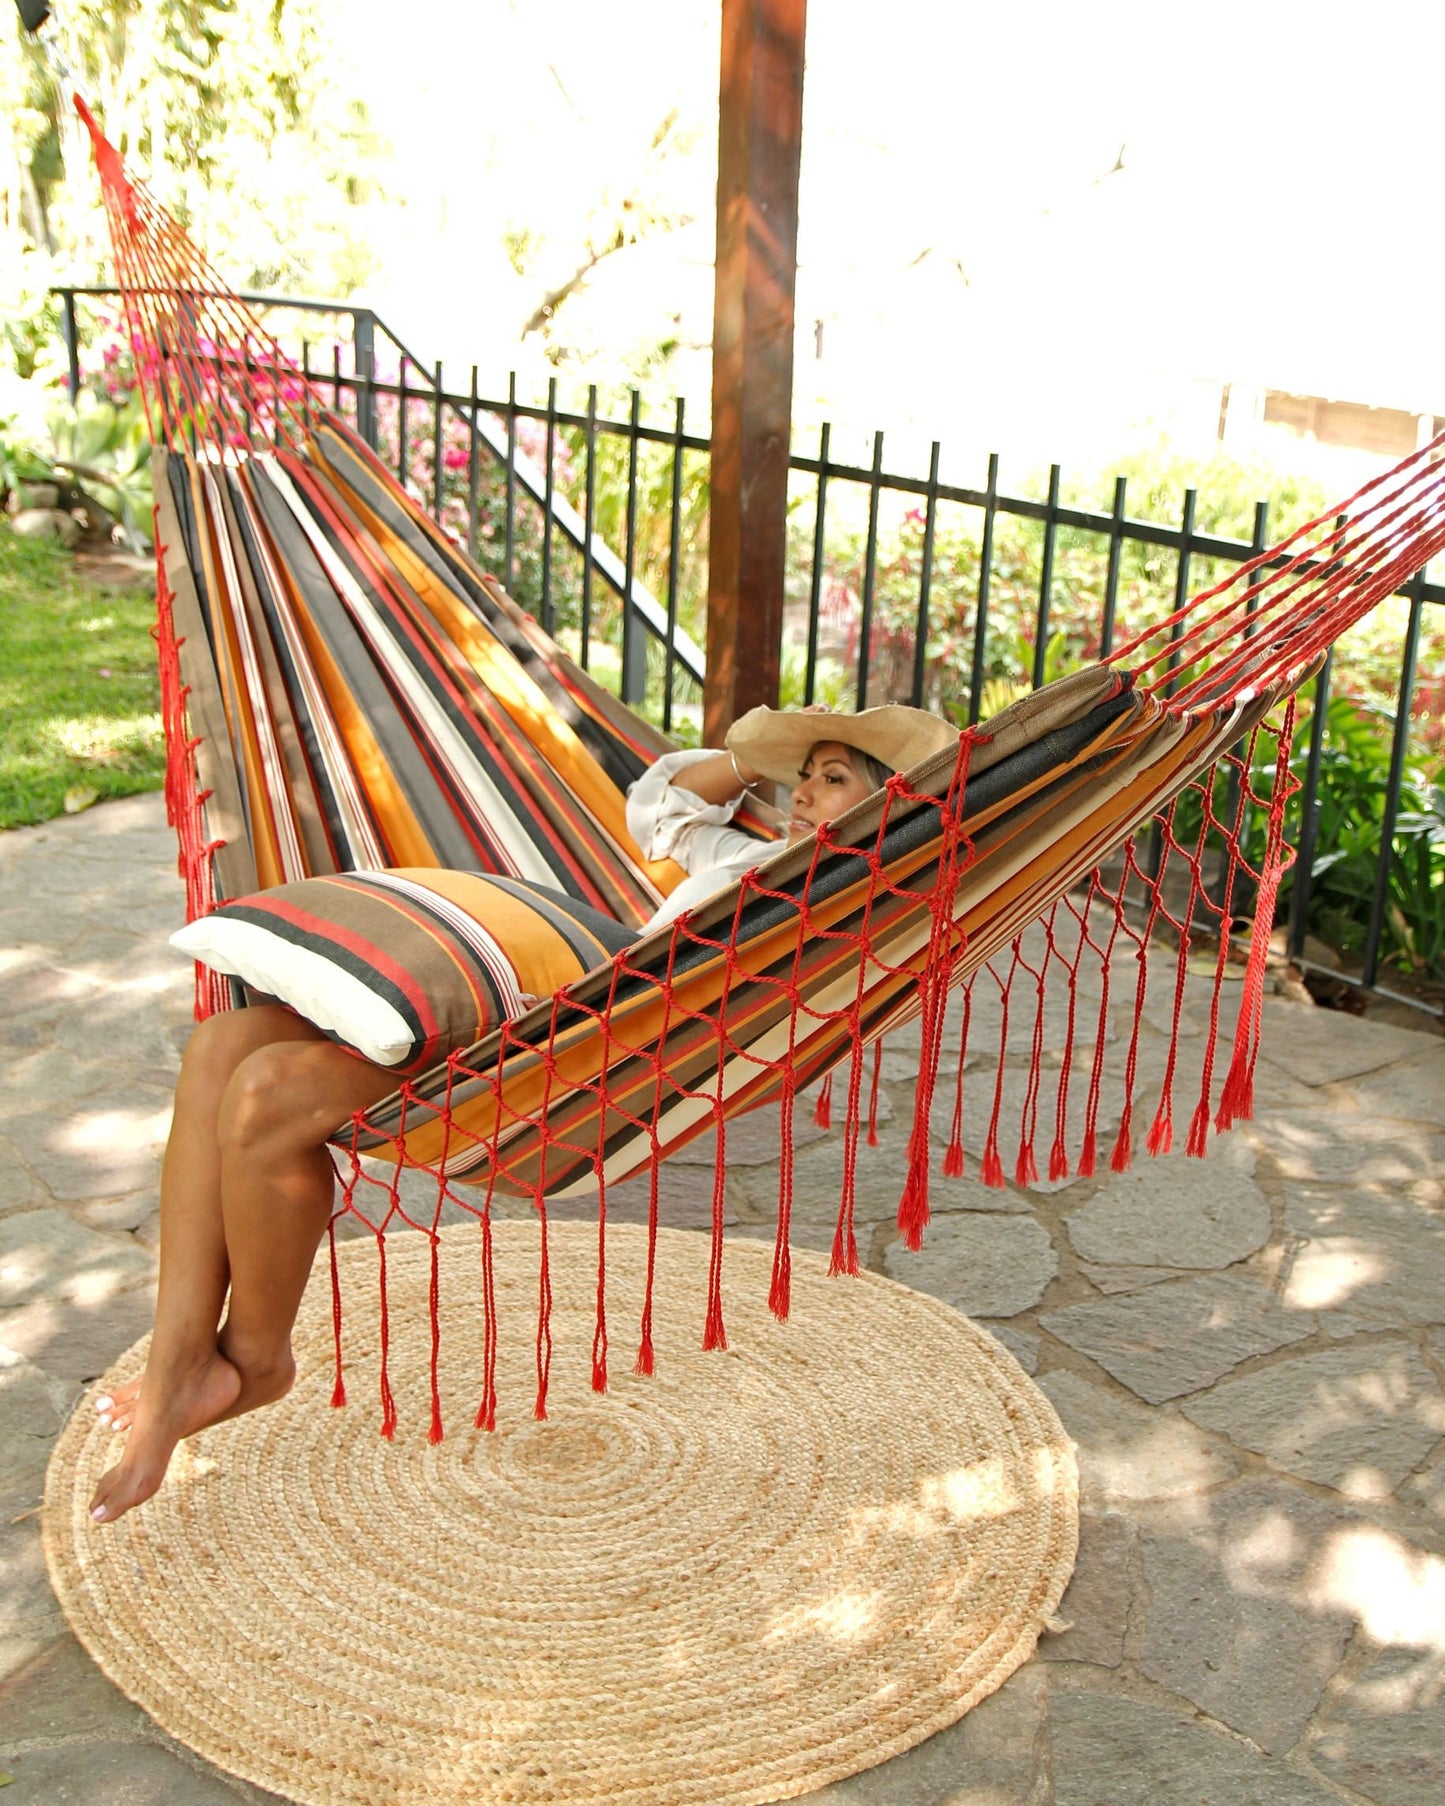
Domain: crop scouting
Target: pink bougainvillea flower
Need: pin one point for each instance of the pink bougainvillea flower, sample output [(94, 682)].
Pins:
[(454, 458)]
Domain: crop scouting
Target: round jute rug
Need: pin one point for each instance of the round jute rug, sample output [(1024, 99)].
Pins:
[(751, 1575)]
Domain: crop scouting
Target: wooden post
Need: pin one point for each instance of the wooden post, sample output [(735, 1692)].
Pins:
[(759, 142)]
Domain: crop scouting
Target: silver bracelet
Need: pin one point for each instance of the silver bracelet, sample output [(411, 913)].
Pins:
[(738, 770)]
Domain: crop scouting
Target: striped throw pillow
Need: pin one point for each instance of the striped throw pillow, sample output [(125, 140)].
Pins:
[(404, 966)]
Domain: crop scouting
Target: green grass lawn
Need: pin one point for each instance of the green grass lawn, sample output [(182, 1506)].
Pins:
[(79, 696)]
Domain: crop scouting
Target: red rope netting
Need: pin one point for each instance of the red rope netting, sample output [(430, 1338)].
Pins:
[(1067, 930)]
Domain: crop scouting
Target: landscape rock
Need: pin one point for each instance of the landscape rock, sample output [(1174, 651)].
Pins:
[(31, 495), (46, 523)]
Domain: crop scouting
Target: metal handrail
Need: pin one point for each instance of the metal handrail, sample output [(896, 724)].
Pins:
[(638, 601)]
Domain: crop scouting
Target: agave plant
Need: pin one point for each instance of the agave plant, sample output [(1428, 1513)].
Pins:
[(106, 451)]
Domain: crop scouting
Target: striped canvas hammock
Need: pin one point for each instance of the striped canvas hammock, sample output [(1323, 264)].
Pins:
[(344, 690)]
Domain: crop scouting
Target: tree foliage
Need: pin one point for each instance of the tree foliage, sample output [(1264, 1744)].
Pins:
[(228, 110)]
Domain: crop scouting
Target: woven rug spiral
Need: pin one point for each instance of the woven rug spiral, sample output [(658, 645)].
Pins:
[(753, 1574)]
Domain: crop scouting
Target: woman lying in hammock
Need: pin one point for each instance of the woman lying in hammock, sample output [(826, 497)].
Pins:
[(247, 1184)]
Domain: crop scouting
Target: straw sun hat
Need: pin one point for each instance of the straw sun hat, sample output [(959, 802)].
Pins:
[(775, 742)]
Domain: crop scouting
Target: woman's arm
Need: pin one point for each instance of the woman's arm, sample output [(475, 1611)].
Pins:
[(681, 806), (718, 779)]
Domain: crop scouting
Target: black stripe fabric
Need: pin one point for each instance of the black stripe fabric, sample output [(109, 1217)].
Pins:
[(622, 766), (249, 548), (600, 935), (410, 768)]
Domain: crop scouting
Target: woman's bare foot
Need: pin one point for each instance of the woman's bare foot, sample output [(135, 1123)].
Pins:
[(117, 1407), (170, 1406), (214, 1393)]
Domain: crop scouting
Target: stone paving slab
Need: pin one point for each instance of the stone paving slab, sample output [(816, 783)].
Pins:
[(1359, 1418), (1130, 1452), (1363, 1257), (1384, 1737), (1176, 1212), (1237, 1620), (1249, 1352), (1365, 1047), (984, 1266), (1175, 1338), (1412, 1092)]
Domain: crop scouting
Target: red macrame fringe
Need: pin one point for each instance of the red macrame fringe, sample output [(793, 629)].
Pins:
[(216, 384)]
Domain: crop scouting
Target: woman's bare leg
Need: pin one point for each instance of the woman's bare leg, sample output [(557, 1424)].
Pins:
[(194, 1269), (278, 1192), (247, 1191)]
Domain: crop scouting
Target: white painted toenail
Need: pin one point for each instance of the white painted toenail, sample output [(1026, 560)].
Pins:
[(105, 1419), (99, 1514), (104, 1404)]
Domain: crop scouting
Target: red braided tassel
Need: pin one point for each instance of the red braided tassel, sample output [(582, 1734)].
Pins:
[(338, 1391), (388, 1399), (434, 1429), (486, 1418)]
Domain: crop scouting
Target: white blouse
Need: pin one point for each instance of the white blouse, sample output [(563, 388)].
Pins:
[(669, 822)]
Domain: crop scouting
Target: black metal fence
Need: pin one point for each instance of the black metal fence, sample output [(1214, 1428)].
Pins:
[(901, 587)]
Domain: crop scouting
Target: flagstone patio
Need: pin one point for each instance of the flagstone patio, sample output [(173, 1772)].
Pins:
[(1249, 1352)]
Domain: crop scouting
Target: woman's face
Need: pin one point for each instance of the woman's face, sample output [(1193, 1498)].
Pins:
[(828, 784)]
